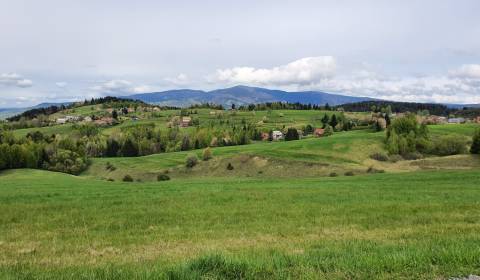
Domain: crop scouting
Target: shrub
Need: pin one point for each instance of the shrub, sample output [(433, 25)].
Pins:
[(230, 166), (163, 177), (292, 134), (110, 180), (475, 148), (127, 178), (191, 161), (372, 170), (379, 156), (349, 173), (333, 174), (449, 145), (207, 154), (328, 131)]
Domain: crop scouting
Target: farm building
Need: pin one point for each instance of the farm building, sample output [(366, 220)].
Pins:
[(456, 120), (186, 121), (277, 135), (319, 132)]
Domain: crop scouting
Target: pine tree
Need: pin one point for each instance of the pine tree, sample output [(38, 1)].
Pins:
[(334, 121), (129, 148), (115, 114), (325, 120)]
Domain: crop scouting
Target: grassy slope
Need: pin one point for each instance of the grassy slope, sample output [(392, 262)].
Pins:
[(422, 224), (346, 150)]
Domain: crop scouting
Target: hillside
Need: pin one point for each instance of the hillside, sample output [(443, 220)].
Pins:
[(242, 95)]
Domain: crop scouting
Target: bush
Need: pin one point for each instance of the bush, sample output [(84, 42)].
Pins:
[(127, 178), (110, 180), (349, 173), (191, 161), (475, 148), (207, 154), (163, 177), (372, 170), (333, 174), (292, 134), (379, 156), (449, 145), (230, 166)]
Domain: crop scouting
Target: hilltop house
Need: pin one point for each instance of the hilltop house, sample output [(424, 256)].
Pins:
[(277, 135), (68, 119)]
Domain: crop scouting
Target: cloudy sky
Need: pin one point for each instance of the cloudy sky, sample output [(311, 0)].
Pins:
[(401, 50)]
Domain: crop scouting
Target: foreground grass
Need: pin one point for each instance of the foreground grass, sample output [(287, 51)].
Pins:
[(423, 225)]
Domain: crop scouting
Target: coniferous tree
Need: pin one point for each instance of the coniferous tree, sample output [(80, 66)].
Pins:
[(325, 120), (333, 121)]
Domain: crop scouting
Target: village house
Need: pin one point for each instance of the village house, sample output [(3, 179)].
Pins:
[(319, 132), (477, 120), (68, 119), (277, 135), (265, 136), (186, 121), (456, 120), (432, 119), (87, 119)]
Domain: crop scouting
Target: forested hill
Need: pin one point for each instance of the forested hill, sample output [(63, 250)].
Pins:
[(397, 107)]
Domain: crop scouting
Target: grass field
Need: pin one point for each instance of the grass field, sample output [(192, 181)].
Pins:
[(421, 225)]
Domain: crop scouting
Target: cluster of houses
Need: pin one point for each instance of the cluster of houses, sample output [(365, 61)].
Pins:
[(432, 119), (278, 135), (103, 121)]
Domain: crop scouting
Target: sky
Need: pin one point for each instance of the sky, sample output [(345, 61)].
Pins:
[(421, 51)]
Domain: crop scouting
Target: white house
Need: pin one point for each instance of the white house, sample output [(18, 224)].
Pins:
[(456, 120), (277, 135), (62, 121)]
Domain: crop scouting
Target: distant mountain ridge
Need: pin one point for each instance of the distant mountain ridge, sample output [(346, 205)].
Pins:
[(243, 95)]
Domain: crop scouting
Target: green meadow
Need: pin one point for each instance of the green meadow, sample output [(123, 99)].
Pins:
[(421, 225)]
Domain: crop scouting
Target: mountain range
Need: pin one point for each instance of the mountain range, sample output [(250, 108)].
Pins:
[(238, 95), (242, 95)]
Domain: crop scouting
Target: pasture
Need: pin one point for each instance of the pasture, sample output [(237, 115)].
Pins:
[(382, 226)]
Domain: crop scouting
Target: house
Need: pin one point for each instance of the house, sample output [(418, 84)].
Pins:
[(477, 120), (87, 119), (432, 119), (456, 120), (156, 109), (319, 132), (277, 135), (265, 136), (61, 120), (186, 121)]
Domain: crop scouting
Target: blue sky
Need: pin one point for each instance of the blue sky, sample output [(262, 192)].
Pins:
[(400, 50)]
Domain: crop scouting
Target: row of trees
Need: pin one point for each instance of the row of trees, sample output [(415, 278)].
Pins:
[(38, 151), (406, 137), (282, 106)]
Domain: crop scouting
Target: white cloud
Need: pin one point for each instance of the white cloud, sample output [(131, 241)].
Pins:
[(460, 85), (120, 87), (61, 84), (467, 71), (180, 80), (14, 79), (300, 72)]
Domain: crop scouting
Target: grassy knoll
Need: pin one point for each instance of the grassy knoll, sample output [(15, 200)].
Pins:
[(421, 225)]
